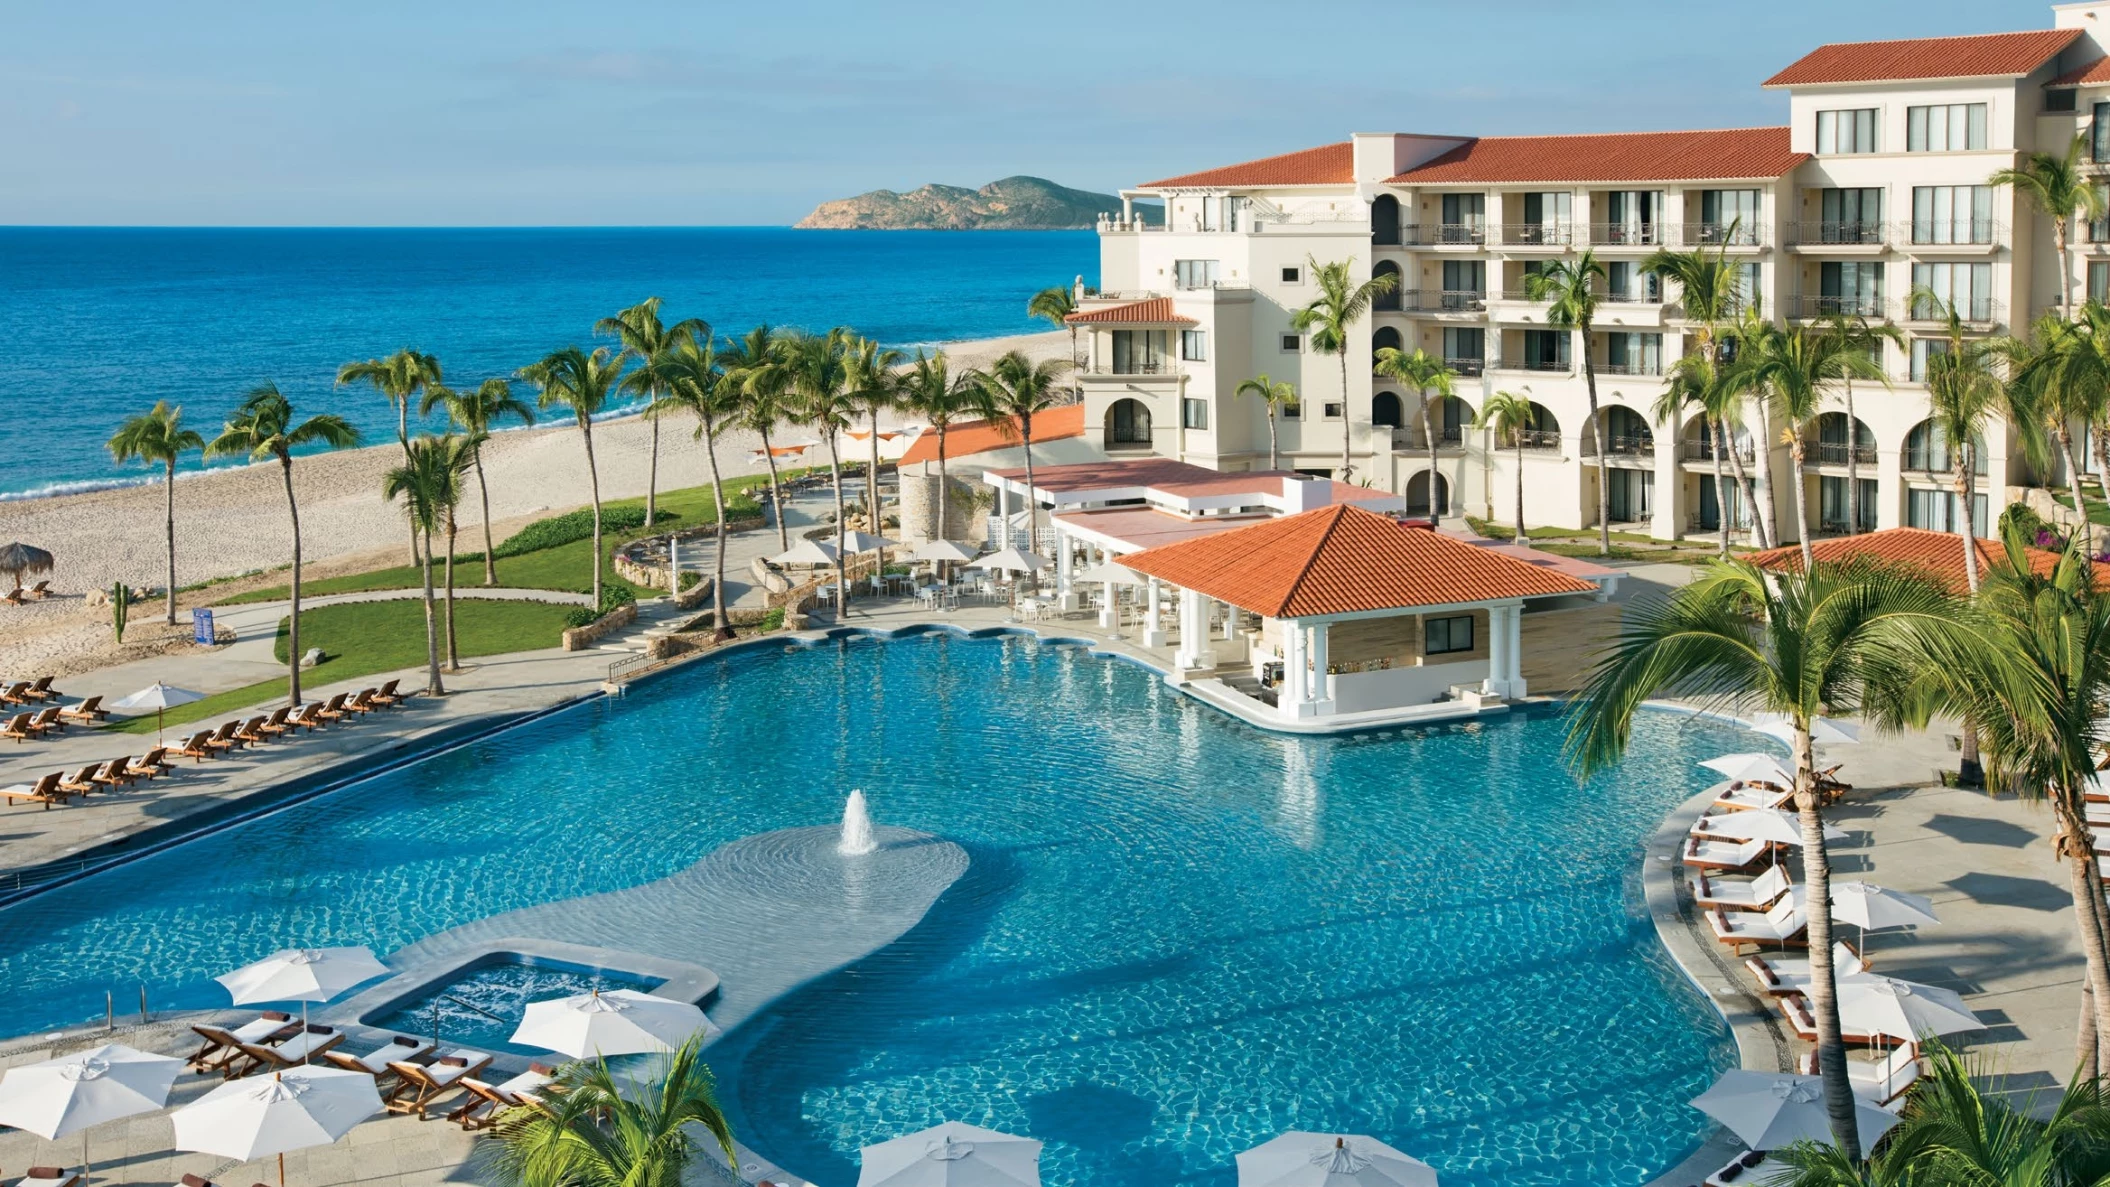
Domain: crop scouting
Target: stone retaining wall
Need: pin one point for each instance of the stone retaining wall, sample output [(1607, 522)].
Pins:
[(579, 638)]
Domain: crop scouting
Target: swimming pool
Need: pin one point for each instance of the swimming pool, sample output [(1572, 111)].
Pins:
[(1178, 937)]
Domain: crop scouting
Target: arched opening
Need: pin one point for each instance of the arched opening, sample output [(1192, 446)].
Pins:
[(1390, 302), (1542, 432), (1626, 434), (1696, 443), (1384, 221), (1386, 410), (1832, 445), (1449, 416), (1128, 425), (1927, 451), (1418, 494), (1384, 337)]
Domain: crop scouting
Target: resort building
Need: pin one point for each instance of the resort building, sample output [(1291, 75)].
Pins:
[(1877, 185)]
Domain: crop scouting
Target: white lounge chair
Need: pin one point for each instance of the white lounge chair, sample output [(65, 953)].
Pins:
[(52, 1176), (1753, 795), (1753, 894), (1783, 925), (485, 1102), (1707, 854), (1791, 974), (419, 1087), (1745, 1170), (1877, 1081), (375, 1062)]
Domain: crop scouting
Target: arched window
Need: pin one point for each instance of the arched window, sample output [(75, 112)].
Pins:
[(1418, 494), (1832, 444), (1384, 221), (1927, 449), (1392, 301), (1385, 409), (1384, 337), (1127, 424), (1626, 426)]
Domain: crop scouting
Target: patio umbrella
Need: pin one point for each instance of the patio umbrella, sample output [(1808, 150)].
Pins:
[(19, 558), (1905, 1010), (160, 698), (1761, 824), (1010, 560), (302, 975), (617, 1022), (1868, 906), (1824, 731), (74, 1092), (1768, 1110), (865, 542), (807, 552), (953, 1154), (1753, 768), (1300, 1159), (1112, 573), (293, 1110), (943, 550)]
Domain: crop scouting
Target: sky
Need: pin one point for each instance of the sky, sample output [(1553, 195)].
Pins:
[(467, 112)]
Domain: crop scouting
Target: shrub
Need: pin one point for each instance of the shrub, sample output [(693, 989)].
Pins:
[(774, 620), (576, 525), (614, 596)]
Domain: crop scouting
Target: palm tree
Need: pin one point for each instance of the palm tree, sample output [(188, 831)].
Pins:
[(1963, 396), (750, 363), (1328, 320), (1274, 395), (874, 388), (815, 372), (1828, 639), (701, 387), (1739, 380), (1433, 382), (1796, 365), (475, 413), (1510, 415), (2058, 186), (158, 435), (264, 427), (645, 339), (1694, 383), (399, 377), (571, 378), (1710, 289), (2064, 371), (1855, 334), (598, 1132), (460, 456), (932, 391), (1018, 388), (1570, 288), (427, 482), (1055, 305)]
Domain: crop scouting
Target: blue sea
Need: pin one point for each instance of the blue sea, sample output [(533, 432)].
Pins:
[(98, 323)]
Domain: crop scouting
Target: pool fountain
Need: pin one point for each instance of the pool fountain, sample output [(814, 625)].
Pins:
[(857, 828)]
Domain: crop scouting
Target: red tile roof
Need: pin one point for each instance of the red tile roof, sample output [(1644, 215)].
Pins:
[(1155, 311), (1988, 55), (981, 436), (1614, 156), (1340, 560), (2093, 74), (1328, 164), (1940, 554)]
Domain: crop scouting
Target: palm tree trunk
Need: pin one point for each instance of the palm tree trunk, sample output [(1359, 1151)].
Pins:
[(1853, 464), (842, 558), (1032, 502), (454, 661), (1523, 540), (944, 484), (718, 620), (652, 478), (1802, 505), (776, 493), (172, 538), (1762, 495), (2072, 457), (1721, 485), (1347, 422), (484, 492), (432, 627), (1823, 990), (1428, 430), (1964, 527), (1747, 491), (2058, 235), (1272, 449), (872, 480), (403, 439), (285, 462), (2076, 847), (1604, 473), (593, 478)]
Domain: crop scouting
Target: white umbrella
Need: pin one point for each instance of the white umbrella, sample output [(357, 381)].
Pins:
[(943, 550), (953, 1154), (865, 542), (302, 975), (293, 1110), (160, 698), (1753, 768), (1868, 906), (618, 1022), (1768, 1110), (1112, 573), (1907, 1010), (74, 1092), (807, 552), (1823, 730), (1011, 560), (1301, 1159), (1760, 824)]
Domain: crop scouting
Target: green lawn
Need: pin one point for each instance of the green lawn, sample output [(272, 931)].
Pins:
[(2098, 511), (362, 638)]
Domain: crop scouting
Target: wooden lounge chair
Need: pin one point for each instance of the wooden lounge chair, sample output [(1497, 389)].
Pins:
[(484, 1103), (388, 698), (47, 721), (17, 693), (276, 725), (252, 732), (83, 780), (1877, 1081), (1707, 853), (15, 598), (1795, 1009), (400, 1049), (44, 791), (1789, 974), (88, 712), (1784, 926), (224, 738), (19, 728), (153, 766), (419, 1086), (197, 746), (40, 590), (41, 689), (363, 704), (1753, 795), (222, 1045), (1755, 894), (194, 1181), (115, 773), (52, 1176), (292, 1051), (334, 710), (310, 716)]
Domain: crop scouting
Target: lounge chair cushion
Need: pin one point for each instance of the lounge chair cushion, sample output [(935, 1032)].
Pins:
[(46, 1172)]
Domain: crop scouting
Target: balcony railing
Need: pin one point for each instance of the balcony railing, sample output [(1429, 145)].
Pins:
[(1147, 368), (1562, 365), (1470, 368), (1703, 450), (1411, 438), (1621, 446), (1834, 453), (1523, 295), (1741, 233), (1648, 296), (1962, 232), (1443, 300), (1969, 310), (1543, 234), (1627, 234), (1831, 305), (1629, 368), (1443, 234), (1841, 232), (1537, 440)]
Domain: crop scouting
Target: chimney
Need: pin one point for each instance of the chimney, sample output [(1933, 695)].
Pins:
[(1300, 493)]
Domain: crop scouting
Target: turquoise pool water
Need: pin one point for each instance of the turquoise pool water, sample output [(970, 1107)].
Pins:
[(1178, 937)]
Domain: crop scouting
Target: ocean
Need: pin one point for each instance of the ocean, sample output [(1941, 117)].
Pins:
[(98, 323)]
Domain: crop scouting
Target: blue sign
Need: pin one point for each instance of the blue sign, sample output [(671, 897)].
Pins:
[(202, 621)]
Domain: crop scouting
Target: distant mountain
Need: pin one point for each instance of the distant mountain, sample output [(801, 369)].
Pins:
[(1013, 204)]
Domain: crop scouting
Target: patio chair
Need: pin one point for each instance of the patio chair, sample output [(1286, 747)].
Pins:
[(1788, 974), (197, 746), (292, 1051), (1784, 925), (1750, 1167), (1708, 854), (483, 1104), (388, 697), (310, 717), (252, 732), (277, 725), (222, 1044), (1795, 1009), (228, 736), (1877, 1081), (1753, 795), (19, 728), (44, 791), (1755, 894), (115, 773), (52, 1176), (154, 765), (333, 709), (83, 780), (419, 1086), (17, 693), (41, 689), (363, 704), (47, 721), (40, 590), (87, 712), (400, 1049), (15, 598)]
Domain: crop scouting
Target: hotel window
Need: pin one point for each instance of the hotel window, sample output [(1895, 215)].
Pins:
[(1293, 276), (1464, 283), (2099, 134), (1633, 216), (2099, 228), (1746, 286), (2062, 99), (1194, 274), (1447, 636), (1141, 352), (1952, 214), (1464, 218), (1850, 216), (1222, 214), (1465, 348), (1833, 504), (1625, 281), (1851, 287), (1924, 349), (1546, 217), (1546, 350), (1194, 345), (1332, 411), (1292, 412), (1194, 414), (1633, 354), (1935, 510), (1846, 131), (2098, 281), (1951, 127), (1291, 344), (1729, 216), (1967, 288)]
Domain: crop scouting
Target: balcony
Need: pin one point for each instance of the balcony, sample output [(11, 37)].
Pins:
[(1443, 234), (1627, 234), (1468, 368), (1835, 453), (1443, 301), (1832, 305), (1633, 297), (1559, 367), (1544, 234), (1643, 446), (1536, 441), (1703, 450), (1523, 295), (1972, 311), (1840, 233), (1411, 438), (1627, 368), (1731, 234), (1120, 369), (1957, 232)]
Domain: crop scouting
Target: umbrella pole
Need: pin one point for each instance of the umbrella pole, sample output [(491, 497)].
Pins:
[(282, 1168)]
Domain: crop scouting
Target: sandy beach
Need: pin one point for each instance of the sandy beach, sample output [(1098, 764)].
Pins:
[(234, 521)]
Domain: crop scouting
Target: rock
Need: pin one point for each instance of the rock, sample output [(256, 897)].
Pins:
[(314, 656), (1012, 204)]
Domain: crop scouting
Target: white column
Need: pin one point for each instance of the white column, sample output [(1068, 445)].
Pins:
[(1292, 695), (1064, 588), (1003, 517), (1497, 651), (1230, 622), (1516, 653), (1195, 653), (1109, 610), (1321, 687), (1153, 629)]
